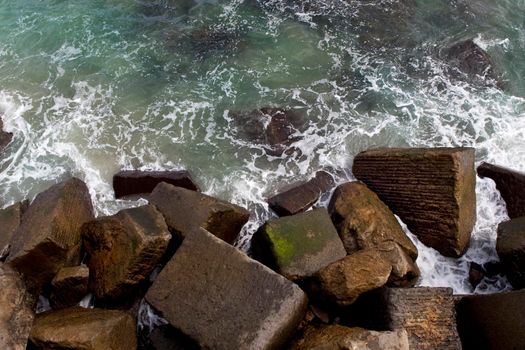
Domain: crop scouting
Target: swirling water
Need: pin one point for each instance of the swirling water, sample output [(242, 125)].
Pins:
[(92, 87)]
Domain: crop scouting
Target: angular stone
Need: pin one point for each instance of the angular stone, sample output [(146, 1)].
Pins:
[(222, 299), (339, 337), (69, 286), (343, 281), (427, 314), (49, 236), (511, 185), (431, 189), (364, 221), (90, 329), (301, 197), (130, 182), (186, 210), (166, 337), (298, 246), (123, 250), (10, 219), (510, 246), (492, 322), (5, 137), (405, 272), (16, 314)]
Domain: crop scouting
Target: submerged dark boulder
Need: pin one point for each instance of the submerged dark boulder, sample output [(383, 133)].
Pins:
[(510, 246), (130, 182), (5, 137)]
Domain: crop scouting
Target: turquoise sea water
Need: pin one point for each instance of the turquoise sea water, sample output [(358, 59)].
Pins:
[(92, 87)]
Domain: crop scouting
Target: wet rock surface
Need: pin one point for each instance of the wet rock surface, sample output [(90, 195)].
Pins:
[(247, 306), (431, 189), (49, 236), (123, 250), (5, 137), (69, 286), (10, 219), (16, 310), (79, 328), (298, 246), (364, 221), (131, 182), (301, 197), (186, 210), (511, 185), (510, 246), (476, 274)]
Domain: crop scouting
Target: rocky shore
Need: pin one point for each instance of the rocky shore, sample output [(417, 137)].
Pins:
[(340, 277)]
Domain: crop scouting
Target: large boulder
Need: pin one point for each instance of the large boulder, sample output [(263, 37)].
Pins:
[(510, 246), (49, 236), (298, 246), (87, 329), (511, 185), (130, 182), (331, 337), (16, 310), (10, 219), (431, 189), (342, 282), (5, 137), (405, 272), (364, 221), (69, 286), (301, 197), (492, 322), (427, 314), (186, 210), (222, 299), (123, 250)]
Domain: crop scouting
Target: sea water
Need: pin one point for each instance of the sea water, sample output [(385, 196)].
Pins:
[(92, 87)]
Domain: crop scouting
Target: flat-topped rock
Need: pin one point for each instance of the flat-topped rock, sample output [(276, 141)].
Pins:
[(16, 310), (123, 250), (510, 183), (186, 210), (301, 197), (130, 182), (10, 219), (510, 246), (49, 236), (69, 286), (364, 221), (431, 189), (78, 328), (300, 245), (222, 299)]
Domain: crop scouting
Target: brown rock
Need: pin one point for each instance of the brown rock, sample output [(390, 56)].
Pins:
[(69, 286), (222, 299), (492, 322), (302, 196), (476, 274), (343, 338), (89, 329), (298, 246), (511, 185), (10, 219), (123, 250), (5, 137), (431, 189), (363, 221), (186, 210), (16, 314), (510, 246), (130, 182), (343, 281), (49, 236), (405, 272)]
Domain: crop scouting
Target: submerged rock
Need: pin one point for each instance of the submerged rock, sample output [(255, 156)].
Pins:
[(222, 299), (186, 210), (130, 182), (510, 246), (69, 286), (49, 236), (16, 310), (300, 245), (364, 221), (5, 137), (123, 250), (339, 337), (301, 197), (10, 219), (431, 189), (511, 185), (79, 328)]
